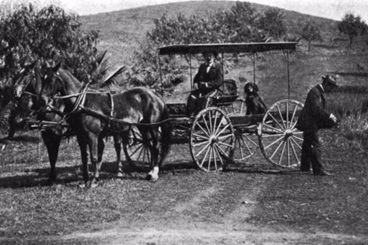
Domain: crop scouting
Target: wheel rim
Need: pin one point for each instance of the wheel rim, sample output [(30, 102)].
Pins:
[(212, 139), (238, 107), (279, 139), (245, 145), (137, 151)]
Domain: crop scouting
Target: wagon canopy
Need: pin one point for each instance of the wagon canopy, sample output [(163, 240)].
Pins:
[(226, 48)]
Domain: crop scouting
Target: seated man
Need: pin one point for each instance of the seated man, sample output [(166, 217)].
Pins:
[(206, 82)]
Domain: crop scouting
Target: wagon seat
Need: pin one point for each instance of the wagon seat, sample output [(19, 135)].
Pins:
[(228, 93)]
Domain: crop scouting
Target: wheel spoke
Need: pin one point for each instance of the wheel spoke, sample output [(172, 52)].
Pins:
[(293, 117), (200, 136), (222, 151), (273, 135), (296, 143), (218, 128), (210, 122), (226, 127), (205, 156), (214, 156), (224, 137), (276, 141), (224, 144), (275, 120), (294, 150), (218, 154), (282, 151), (296, 137), (200, 143), (282, 118), (273, 128), (277, 148), (205, 147), (203, 130), (210, 160)]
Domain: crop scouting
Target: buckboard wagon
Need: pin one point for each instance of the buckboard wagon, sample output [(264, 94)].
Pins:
[(222, 133)]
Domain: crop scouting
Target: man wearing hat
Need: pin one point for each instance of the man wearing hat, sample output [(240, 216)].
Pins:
[(206, 82), (312, 118)]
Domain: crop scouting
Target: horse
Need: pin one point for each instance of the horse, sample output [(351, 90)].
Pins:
[(253, 101), (94, 116), (29, 82)]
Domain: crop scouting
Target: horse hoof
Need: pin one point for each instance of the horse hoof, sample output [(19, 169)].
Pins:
[(82, 185), (148, 177), (119, 174), (93, 185), (151, 178)]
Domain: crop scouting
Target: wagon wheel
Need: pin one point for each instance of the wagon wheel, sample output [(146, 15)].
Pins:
[(211, 139), (245, 145), (245, 142), (237, 107), (137, 150), (279, 139)]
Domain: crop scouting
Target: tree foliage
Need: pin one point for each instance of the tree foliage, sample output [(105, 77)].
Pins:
[(239, 24), (352, 26), (48, 35), (311, 32), (272, 21)]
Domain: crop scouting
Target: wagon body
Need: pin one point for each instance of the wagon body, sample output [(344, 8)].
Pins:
[(223, 133)]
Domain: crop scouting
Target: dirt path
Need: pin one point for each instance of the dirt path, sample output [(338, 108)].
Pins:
[(203, 216)]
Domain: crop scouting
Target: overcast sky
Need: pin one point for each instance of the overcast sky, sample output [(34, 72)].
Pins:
[(333, 9)]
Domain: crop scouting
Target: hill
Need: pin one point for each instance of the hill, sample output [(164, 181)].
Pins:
[(121, 31)]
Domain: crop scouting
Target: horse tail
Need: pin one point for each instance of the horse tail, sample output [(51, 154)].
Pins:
[(165, 135)]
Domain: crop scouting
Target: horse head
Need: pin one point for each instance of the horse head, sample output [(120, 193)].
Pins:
[(25, 81)]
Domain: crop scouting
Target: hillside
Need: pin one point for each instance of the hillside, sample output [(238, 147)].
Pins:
[(120, 31)]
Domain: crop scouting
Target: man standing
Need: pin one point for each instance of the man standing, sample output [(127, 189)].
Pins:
[(312, 118), (206, 82)]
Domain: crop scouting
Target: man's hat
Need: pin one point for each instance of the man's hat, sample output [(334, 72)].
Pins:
[(329, 79), (210, 52)]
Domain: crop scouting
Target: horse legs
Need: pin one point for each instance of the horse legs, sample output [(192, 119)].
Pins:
[(95, 145), (117, 145), (152, 140), (100, 149), (83, 149), (52, 143)]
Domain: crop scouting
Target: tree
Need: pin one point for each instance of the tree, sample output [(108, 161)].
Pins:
[(47, 36), (311, 32), (239, 24), (352, 26), (272, 21)]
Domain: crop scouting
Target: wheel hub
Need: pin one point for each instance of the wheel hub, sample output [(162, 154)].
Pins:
[(213, 139), (288, 133)]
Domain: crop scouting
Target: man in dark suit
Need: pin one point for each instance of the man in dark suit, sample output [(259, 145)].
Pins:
[(312, 118), (206, 82)]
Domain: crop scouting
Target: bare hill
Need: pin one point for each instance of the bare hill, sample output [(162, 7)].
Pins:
[(120, 31)]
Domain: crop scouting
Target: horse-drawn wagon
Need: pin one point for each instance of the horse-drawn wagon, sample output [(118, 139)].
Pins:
[(222, 132), (218, 134)]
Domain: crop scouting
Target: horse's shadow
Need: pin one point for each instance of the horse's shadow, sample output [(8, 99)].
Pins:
[(72, 175)]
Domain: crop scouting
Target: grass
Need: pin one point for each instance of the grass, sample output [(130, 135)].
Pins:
[(335, 204)]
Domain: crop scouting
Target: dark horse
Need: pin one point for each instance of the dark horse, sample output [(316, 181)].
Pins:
[(29, 82), (94, 116)]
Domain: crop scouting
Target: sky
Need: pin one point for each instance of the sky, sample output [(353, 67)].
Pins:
[(333, 9)]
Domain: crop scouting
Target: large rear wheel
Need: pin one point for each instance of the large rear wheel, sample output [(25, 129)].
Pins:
[(279, 139)]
